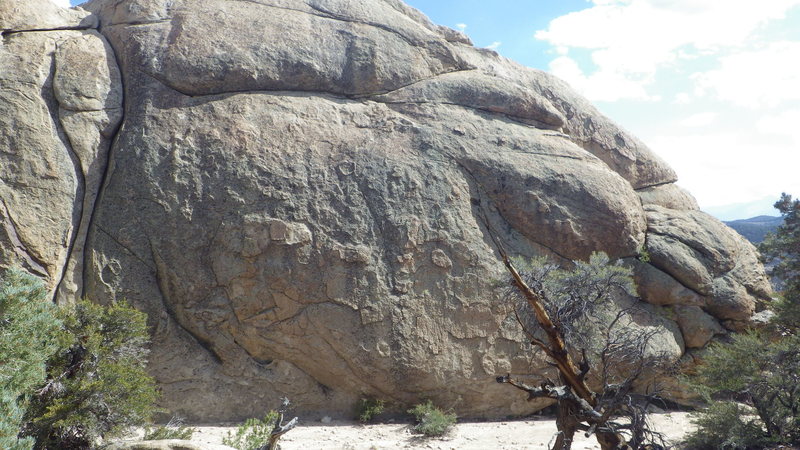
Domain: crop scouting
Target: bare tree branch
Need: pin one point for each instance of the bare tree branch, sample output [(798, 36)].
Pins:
[(279, 429)]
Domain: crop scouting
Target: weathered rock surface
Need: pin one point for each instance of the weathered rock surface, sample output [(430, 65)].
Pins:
[(697, 326), (298, 193), (669, 196), (42, 15), (709, 258), (61, 104)]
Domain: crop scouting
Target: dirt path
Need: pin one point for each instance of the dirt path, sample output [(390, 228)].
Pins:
[(509, 435)]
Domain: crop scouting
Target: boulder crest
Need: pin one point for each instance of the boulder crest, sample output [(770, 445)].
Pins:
[(299, 205)]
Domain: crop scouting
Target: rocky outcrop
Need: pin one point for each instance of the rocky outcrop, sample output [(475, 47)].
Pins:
[(61, 104), (299, 193)]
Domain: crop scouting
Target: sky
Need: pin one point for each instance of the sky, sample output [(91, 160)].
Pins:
[(712, 86)]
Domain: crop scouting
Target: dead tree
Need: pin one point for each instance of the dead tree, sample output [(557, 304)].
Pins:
[(572, 320), (279, 429)]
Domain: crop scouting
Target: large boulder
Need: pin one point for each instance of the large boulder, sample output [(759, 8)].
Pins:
[(300, 193)]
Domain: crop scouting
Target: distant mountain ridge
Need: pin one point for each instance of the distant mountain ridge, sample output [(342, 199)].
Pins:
[(756, 228), (735, 211)]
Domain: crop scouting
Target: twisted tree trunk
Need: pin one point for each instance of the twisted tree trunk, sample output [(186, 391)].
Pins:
[(574, 379)]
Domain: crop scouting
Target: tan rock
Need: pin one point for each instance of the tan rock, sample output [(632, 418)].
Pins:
[(697, 327), (88, 88), (345, 48), (63, 96), (39, 183), (483, 92), (669, 196), (300, 196), (708, 257), (16, 16), (658, 288)]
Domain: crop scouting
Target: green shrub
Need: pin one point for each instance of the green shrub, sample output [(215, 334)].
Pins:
[(174, 429), (644, 255), (96, 383), (758, 373), (368, 408), (253, 434), (431, 421), (726, 425), (28, 338)]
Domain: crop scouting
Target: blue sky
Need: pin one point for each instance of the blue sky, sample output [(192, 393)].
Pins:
[(713, 86)]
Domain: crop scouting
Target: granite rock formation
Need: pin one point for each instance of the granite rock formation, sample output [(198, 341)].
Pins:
[(299, 192)]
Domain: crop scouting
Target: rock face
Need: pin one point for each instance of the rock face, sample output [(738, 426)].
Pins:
[(60, 105), (298, 193)]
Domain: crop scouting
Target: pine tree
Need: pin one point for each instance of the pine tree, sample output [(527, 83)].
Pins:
[(97, 385), (782, 249), (28, 338)]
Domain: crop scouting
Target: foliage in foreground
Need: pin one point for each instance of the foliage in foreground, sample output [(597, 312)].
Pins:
[(753, 387), (726, 425), (368, 408), (431, 421), (28, 338), (253, 434), (752, 384), (96, 383)]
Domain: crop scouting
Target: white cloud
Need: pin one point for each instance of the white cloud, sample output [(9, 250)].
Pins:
[(698, 120), (738, 134), (494, 45), (632, 39), (729, 167), (461, 26), (682, 98), (664, 25), (765, 77), (785, 124), (62, 3), (603, 85)]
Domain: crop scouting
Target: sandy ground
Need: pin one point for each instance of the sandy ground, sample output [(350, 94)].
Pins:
[(516, 435)]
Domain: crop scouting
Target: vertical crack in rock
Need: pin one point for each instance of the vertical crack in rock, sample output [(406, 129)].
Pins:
[(108, 170), (80, 190), (90, 114)]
